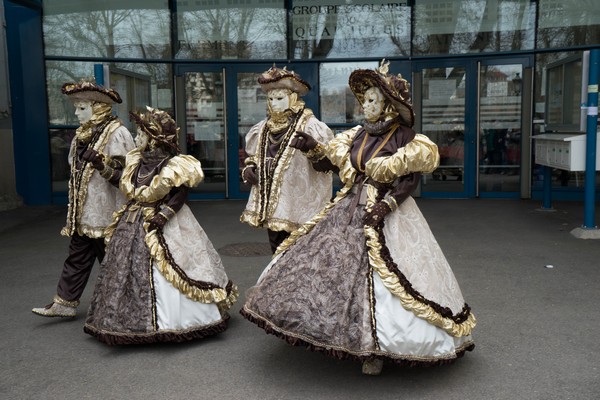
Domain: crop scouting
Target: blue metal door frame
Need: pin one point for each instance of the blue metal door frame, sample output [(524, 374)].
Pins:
[(28, 99), (469, 122), (471, 65)]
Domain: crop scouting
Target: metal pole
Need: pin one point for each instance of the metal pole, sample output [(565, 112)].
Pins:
[(99, 74), (591, 139), (547, 182)]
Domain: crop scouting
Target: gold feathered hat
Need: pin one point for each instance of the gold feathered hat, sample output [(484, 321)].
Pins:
[(276, 78), (89, 90), (395, 88), (159, 125)]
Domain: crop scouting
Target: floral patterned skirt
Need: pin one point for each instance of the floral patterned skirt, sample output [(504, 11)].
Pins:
[(322, 292), (133, 303)]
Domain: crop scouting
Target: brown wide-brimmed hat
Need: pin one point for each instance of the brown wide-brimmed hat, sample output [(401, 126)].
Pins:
[(88, 90), (395, 88), (276, 78), (159, 125)]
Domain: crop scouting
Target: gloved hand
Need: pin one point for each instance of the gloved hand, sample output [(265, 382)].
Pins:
[(94, 158), (377, 213), (249, 175), (303, 142), (157, 222)]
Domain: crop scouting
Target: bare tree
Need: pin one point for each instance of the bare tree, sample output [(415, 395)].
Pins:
[(84, 34)]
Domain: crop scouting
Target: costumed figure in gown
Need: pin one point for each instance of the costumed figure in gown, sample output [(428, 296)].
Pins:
[(287, 187), (92, 199), (366, 278), (161, 280)]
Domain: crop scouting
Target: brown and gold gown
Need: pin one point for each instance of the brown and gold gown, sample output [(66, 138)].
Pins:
[(356, 291), (159, 285)]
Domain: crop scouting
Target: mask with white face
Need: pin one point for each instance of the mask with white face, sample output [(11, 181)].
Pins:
[(373, 104), (279, 100), (141, 139), (83, 111)]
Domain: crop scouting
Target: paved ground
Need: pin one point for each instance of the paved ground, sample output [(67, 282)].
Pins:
[(536, 335)]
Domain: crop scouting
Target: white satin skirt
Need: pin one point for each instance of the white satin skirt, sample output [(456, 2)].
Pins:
[(175, 311), (403, 333)]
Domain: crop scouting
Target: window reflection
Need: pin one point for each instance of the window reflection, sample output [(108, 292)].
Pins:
[(141, 85), (60, 143), (469, 26), (205, 127), (106, 29), (557, 108), (212, 30), (338, 104), (252, 107), (443, 117), (568, 23), (138, 84), (500, 128), (336, 29)]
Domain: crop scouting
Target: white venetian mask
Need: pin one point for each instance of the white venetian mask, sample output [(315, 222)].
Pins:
[(373, 103), (83, 111), (279, 100)]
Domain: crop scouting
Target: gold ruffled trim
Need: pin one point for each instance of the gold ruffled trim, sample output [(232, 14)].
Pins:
[(419, 155), (285, 334), (181, 170), (217, 295), (250, 160), (93, 232), (392, 283), (338, 152), (110, 229), (252, 218), (283, 165), (390, 280)]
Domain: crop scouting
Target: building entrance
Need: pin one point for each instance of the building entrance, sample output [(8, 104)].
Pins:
[(473, 111), (217, 105)]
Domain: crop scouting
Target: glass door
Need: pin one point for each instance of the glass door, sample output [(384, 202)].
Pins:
[(441, 102), (205, 128), (476, 113), (500, 124)]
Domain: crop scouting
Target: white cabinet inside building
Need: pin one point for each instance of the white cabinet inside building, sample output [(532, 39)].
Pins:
[(563, 151)]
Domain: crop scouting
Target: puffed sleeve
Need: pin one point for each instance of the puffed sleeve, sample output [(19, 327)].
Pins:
[(419, 155), (182, 170), (323, 135), (120, 143), (251, 139), (338, 152), (318, 130)]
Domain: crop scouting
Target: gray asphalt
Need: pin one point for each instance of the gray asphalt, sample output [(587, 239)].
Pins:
[(536, 336)]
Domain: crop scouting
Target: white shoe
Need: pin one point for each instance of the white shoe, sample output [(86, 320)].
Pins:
[(372, 367), (58, 308)]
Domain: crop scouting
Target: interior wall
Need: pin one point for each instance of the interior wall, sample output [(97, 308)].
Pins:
[(8, 194)]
